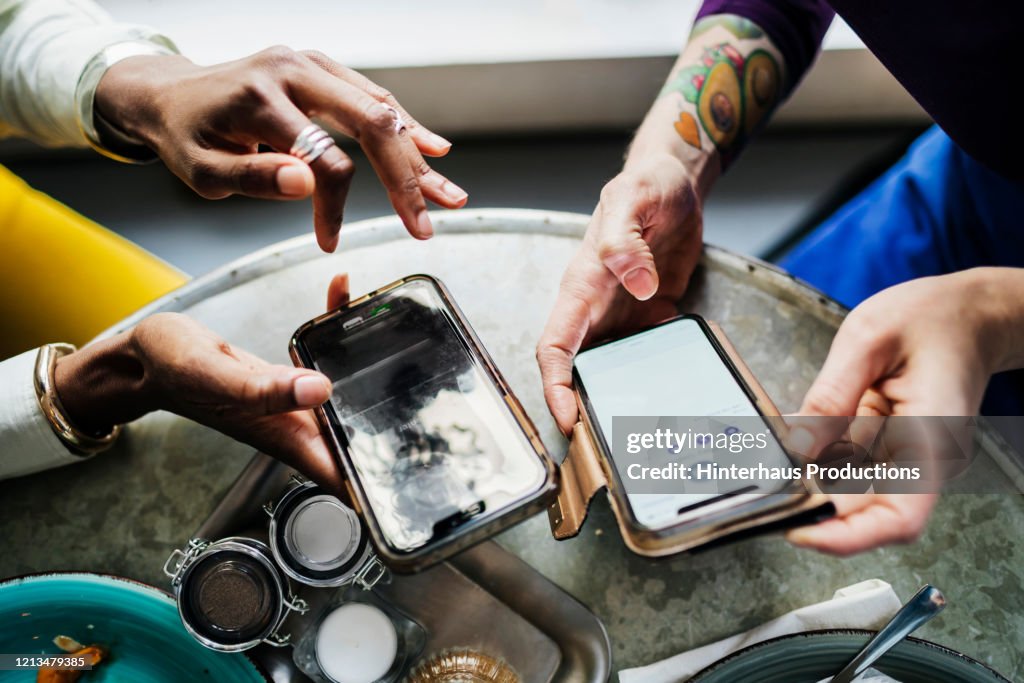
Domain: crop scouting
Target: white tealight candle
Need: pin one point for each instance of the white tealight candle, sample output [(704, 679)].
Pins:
[(356, 643)]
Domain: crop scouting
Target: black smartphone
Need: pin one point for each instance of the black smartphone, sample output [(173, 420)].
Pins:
[(437, 452), (677, 368)]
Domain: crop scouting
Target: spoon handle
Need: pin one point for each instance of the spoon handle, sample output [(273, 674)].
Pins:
[(928, 602)]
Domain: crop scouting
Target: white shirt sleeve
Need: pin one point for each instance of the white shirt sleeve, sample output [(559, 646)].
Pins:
[(27, 442), (45, 46)]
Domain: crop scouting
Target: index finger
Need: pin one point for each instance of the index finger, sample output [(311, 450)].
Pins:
[(338, 292), (280, 123), (427, 141), (373, 124)]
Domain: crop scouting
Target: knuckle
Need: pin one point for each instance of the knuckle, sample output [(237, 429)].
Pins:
[(550, 357), (865, 323), (609, 193), (542, 353), (255, 94), (316, 56), (250, 175), (623, 186), (409, 186), (824, 398), (605, 248), (277, 56), (254, 392), (422, 168), (382, 94), (866, 335), (614, 247), (378, 120), (857, 320)]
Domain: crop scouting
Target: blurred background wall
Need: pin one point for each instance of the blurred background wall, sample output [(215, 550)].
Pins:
[(539, 96)]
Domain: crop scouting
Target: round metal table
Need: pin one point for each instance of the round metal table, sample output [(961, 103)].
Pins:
[(125, 510)]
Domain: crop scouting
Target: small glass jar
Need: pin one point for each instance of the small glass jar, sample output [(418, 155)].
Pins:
[(319, 541), (231, 595), (359, 638)]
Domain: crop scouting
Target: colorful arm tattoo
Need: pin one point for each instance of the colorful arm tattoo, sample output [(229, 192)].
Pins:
[(730, 81)]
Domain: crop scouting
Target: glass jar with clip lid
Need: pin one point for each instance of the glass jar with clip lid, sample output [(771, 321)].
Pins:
[(231, 594), (320, 541)]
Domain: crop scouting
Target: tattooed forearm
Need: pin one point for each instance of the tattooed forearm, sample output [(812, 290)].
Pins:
[(730, 79)]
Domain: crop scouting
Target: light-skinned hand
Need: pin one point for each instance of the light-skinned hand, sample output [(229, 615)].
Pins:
[(639, 251), (923, 348)]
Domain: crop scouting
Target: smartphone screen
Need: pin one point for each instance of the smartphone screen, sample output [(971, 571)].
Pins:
[(425, 425), (674, 369)]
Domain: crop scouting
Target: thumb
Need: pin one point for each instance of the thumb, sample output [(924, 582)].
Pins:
[(267, 176), (278, 389), (623, 250)]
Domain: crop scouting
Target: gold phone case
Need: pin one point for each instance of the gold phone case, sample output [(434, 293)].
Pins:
[(586, 470), (433, 553)]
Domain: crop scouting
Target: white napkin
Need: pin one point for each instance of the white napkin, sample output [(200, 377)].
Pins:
[(868, 604)]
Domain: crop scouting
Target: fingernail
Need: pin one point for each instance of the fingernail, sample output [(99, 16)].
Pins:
[(292, 181), (311, 390), (800, 440), (640, 283), (423, 227), (439, 141), (455, 193)]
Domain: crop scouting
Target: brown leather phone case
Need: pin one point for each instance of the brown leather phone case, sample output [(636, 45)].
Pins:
[(585, 471)]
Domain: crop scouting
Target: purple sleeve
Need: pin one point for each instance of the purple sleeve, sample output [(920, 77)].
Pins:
[(795, 26)]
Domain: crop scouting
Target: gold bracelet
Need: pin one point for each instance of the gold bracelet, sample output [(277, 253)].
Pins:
[(77, 441)]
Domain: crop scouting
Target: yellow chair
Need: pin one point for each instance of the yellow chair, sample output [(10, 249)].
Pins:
[(64, 278)]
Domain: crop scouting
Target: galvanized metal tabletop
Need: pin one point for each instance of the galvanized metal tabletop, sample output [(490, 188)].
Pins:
[(125, 510)]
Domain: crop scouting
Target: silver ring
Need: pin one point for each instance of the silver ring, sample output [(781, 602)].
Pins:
[(399, 121), (311, 143)]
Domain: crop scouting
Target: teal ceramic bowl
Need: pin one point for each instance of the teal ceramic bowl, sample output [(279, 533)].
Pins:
[(137, 623), (810, 657)]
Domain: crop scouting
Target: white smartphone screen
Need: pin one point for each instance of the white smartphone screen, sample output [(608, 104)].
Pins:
[(669, 370)]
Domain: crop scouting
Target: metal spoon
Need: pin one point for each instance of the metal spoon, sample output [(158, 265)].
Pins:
[(928, 602)]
